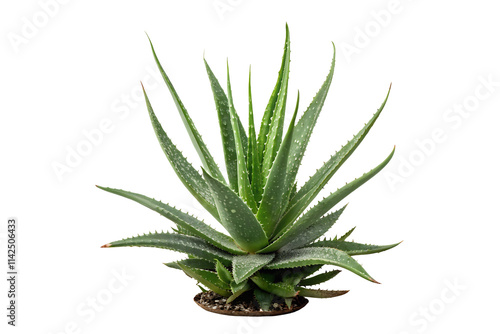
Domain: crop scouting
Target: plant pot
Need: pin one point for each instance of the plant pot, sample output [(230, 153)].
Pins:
[(243, 309)]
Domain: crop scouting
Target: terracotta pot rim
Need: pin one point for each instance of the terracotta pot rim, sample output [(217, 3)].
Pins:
[(302, 300)]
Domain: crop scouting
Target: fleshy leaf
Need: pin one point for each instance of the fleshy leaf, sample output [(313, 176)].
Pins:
[(222, 272), (184, 170), (323, 207), (309, 270), (318, 255), (205, 156), (346, 235), (322, 293), (181, 230), (313, 232), (238, 290), (313, 186), (293, 276), (244, 188), (208, 279), (279, 289), (353, 248), (278, 116), (176, 242), (245, 266), (293, 192), (226, 129), (253, 156), (279, 185), (263, 298), (324, 174), (271, 105), (236, 217), (307, 122), (187, 222), (320, 278), (192, 263), (290, 216)]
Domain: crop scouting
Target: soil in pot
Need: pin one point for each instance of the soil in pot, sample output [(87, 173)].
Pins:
[(245, 305)]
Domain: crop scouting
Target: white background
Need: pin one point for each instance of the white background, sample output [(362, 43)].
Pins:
[(81, 65)]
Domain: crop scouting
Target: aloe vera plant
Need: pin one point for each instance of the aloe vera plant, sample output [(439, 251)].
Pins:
[(272, 248)]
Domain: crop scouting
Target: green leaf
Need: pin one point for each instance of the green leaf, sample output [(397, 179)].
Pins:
[(318, 181), (244, 188), (346, 235), (226, 129), (353, 248), (322, 293), (184, 170), (279, 289), (309, 270), (293, 276), (222, 272), (324, 174), (236, 217), (181, 230), (237, 287), (264, 299), (271, 275), (245, 266), (325, 205), (320, 278), (318, 255), (279, 185), (176, 242), (305, 125), (208, 279), (253, 156), (187, 222), (290, 276), (205, 156), (290, 216), (278, 117), (294, 190), (271, 106), (304, 222), (192, 263), (313, 232), (238, 290)]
